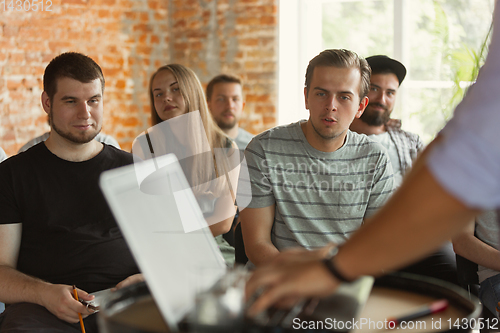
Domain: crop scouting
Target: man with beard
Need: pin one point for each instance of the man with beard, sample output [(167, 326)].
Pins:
[(402, 146), (387, 76), (56, 229), (314, 181), (225, 101)]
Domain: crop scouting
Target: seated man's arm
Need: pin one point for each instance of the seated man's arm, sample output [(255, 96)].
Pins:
[(470, 247), (256, 225), (18, 287)]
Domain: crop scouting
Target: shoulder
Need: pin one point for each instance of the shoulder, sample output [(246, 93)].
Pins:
[(361, 144), (281, 134), (26, 159), (120, 157), (3, 155), (398, 131), (107, 139), (244, 134), (243, 138), (34, 141)]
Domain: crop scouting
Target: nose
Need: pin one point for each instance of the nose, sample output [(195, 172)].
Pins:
[(84, 111), (380, 98), (331, 104), (168, 96)]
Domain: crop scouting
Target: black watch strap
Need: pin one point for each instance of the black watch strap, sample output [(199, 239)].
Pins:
[(332, 268)]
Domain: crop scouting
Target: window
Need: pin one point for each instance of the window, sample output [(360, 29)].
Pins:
[(437, 40)]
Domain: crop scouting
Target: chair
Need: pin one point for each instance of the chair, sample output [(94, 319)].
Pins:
[(468, 279), (239, 246)]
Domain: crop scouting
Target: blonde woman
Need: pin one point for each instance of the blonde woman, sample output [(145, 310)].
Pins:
[(183, 125)]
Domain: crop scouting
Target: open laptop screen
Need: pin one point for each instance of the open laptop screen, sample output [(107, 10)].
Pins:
[(176, 264)]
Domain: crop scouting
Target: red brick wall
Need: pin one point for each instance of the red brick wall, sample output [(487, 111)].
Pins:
[(130, 39)]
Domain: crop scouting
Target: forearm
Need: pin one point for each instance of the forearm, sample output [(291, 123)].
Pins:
[(221, 227), (261, 253), (415, 221), (17, 287), (472, 248)]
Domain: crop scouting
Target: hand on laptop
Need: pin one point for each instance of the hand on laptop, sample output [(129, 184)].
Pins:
[(291, 276), (133, 279), (59, 300)]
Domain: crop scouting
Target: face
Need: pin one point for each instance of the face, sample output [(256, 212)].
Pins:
[(333, 101), (76, 110), (168, 99), (382, 96), (226, 104)]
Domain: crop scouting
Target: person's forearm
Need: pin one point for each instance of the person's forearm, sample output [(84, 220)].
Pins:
[(261, 253), (17, 287), (472, 248), (221, 227), (414, 222)]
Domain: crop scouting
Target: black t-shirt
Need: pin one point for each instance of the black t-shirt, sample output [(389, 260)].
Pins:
[(69, 235)]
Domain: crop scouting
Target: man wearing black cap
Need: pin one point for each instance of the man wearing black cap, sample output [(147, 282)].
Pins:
[(387, 76)]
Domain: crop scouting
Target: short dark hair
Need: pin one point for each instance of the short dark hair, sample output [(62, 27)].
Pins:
[(73, 65), (223, 78), (342, 59)]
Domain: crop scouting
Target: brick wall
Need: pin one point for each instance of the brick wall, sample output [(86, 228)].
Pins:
[(130, 39)]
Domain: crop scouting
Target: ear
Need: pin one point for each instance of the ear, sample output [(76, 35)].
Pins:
[(305, 98), (45, 102), (243, 105), (362, 106)]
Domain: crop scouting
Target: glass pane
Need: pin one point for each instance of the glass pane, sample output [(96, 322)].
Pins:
[(349, 25), (441, 35), (443, 40), (427, 111)]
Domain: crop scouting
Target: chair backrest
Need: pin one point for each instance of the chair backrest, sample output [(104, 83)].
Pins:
[(239, 246), (467, 274)]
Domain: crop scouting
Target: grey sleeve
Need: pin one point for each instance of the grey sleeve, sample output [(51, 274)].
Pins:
[(383, 185), (260, 178)]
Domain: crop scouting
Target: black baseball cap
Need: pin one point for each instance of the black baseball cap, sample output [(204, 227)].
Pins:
[(382, 62)]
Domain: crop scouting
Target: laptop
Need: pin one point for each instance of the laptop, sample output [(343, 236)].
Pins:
[(177, 264)]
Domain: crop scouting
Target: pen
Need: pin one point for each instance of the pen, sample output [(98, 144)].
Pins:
[(79, 314), (434, 307)]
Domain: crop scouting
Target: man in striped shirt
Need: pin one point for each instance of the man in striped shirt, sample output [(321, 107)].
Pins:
[(314, 181)]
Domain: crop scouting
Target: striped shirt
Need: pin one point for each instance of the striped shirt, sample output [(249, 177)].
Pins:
[(320, 197)]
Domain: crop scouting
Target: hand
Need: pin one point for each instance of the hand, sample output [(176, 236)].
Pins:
[(292, 275), (59, 300), (133, 279)]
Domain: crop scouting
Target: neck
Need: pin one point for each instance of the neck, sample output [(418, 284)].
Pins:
[(361, 127), (319, 143), (232, 132), (70, 151)]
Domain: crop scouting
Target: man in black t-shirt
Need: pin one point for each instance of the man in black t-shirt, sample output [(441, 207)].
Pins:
[(56, 229)]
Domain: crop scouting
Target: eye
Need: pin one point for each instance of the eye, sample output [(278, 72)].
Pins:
[(373, 89), (320, 94), (158, 94), (345, 97)]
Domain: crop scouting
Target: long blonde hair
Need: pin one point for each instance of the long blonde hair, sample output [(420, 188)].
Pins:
[(194, 99)]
